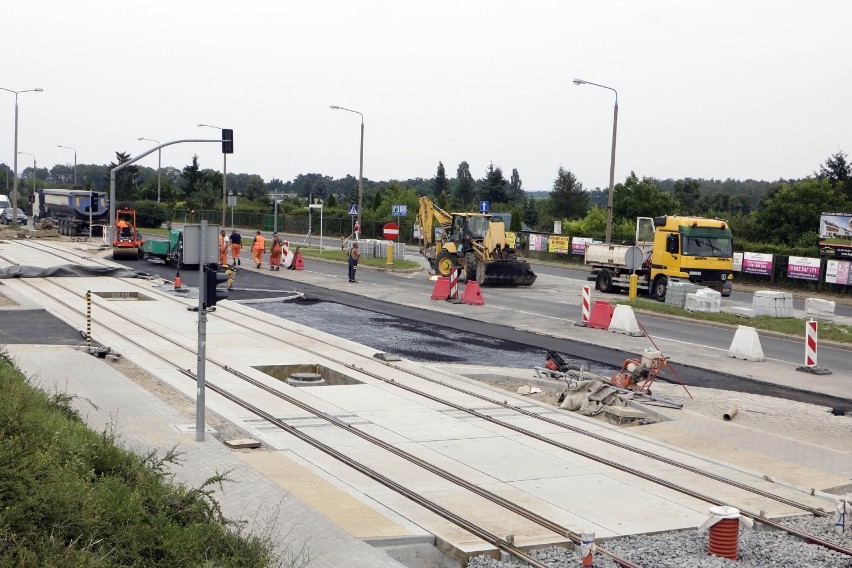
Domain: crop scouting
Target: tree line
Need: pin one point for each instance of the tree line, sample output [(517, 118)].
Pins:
[(783, 212)]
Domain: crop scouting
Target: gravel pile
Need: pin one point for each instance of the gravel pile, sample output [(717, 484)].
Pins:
[(757, 549)]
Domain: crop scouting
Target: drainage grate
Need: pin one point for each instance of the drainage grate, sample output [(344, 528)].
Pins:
[(123, 296)]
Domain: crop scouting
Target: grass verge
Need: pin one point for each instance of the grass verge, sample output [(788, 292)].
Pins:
[(788, 326), (342, 256), (73, 497)]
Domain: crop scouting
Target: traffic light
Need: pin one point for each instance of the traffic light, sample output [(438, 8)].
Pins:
[(212, 278), (227, 141)]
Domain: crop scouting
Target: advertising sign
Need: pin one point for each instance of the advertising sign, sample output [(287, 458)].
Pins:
[(578, 245), (835, 235), (757, 263), (738, 262), (511, 239), (537, 242), (838, 272), (803, 268), (558, 243)]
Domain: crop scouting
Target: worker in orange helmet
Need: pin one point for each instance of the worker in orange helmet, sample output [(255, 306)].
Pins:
[(258, 247), (223, 249)]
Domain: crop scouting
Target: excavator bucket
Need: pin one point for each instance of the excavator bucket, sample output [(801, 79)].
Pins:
[(507, 273)]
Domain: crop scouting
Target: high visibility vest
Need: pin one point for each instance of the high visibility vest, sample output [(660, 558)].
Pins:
[(259, 243)]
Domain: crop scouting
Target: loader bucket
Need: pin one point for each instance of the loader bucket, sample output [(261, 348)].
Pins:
[(507, 273)]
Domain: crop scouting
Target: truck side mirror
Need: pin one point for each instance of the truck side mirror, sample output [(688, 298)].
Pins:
[(672, 244)]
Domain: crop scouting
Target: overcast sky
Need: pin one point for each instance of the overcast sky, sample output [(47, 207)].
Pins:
[(739, 89)]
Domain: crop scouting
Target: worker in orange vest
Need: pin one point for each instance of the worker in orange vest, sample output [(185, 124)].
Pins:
[(258, 247), (275, 253), (223, 249)]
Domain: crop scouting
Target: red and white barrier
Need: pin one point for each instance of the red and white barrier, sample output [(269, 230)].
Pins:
[(454, 285), (811, 343), (587, 302), (810, 365)]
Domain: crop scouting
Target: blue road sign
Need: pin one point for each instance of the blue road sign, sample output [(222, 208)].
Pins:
[(353, 210), (483, 207), (399, 210)]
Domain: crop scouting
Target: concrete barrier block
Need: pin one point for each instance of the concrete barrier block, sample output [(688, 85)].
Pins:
[(819, 309), (746, 345), (624, 321)]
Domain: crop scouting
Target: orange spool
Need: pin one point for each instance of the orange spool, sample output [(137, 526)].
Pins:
[(724, 537)]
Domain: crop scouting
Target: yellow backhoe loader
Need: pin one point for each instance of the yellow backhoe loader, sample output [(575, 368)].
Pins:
[(475, 242)]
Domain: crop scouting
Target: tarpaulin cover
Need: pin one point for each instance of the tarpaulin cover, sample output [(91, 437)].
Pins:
[(70, 270)]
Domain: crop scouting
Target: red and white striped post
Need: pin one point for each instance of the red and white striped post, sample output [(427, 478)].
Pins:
[(454, 285), (811, 343), (587, 302)]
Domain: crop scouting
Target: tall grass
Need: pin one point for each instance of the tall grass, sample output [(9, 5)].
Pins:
[(73, 497)]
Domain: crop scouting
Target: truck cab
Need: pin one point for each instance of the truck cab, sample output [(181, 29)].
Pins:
[(690, 248)]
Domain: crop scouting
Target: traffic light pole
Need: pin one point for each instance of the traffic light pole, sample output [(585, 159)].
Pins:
[(202, 337)]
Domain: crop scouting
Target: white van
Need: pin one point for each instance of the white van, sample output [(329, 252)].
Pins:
[(4, 202)]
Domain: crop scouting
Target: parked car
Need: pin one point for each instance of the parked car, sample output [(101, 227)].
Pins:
[(727, 288), (6, 216)]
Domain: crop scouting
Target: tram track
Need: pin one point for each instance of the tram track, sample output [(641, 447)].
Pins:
[(551, 421)]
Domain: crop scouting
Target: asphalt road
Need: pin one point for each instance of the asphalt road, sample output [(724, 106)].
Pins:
[(425, 335)]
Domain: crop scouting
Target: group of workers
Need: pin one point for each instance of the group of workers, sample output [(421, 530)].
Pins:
[(279, 251)]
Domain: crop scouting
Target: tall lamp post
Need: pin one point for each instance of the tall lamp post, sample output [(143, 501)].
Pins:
[(361, 167), (612, 157), (224, 176), (35, 175), (15, 159), (159, 163), (75, 160)]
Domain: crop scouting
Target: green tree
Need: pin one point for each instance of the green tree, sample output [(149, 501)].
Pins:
[(794, 209), (641, 198), (440, 184), (567, 200), (463, 191), (125, 178), (838, 172), (192, 177), (531, 214), (493, 187), (687, 192), (516, 192)]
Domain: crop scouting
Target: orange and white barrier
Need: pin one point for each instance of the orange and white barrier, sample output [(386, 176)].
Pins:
[(587, 303), (811, 343), (454, 285)]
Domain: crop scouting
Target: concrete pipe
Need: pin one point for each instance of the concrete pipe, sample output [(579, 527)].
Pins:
[(731, 412)]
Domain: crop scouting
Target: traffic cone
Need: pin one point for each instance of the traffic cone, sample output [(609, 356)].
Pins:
[(177, 280), (472, 294), (442, 288), (299, 264)]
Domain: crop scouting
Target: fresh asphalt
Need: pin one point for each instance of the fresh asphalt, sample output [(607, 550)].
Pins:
[(425, 335)]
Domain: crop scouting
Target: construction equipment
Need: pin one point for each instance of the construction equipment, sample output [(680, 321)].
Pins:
[(668, 249), (476, 242), (639, 374), (71, 211), (127, 244), (184, 246), (171, 251)]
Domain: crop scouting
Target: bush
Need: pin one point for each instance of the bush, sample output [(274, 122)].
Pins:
[(150, 213)]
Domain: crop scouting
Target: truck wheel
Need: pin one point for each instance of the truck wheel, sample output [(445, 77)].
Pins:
[(444, 264), (659, 289), (604, 281)]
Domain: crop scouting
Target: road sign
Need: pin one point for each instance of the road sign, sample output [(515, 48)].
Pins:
[(353, 210), (483, 207), (399, 210), (390, 231)]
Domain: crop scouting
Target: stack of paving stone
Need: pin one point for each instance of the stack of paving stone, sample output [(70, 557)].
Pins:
[(704, 300), (773, 304), (819, 309), (677, 291)]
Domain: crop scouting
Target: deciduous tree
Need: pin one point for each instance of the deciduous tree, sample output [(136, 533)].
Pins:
[(641, 198)]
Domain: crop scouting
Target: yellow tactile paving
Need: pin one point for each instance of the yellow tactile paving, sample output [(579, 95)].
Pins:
[(338, 506)]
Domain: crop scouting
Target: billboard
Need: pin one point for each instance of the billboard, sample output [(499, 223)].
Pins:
[(803, 268), (835, 235), (578, 245), (558, 243), (757, 263), (838, 272)]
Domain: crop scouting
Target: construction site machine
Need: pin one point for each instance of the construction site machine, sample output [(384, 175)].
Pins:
[(127, 244), (476, 242)]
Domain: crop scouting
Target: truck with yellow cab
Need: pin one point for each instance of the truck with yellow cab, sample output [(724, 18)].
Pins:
[(474, 242), (668, 249)]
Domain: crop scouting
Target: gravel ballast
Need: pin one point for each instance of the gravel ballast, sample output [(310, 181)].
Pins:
[(757, 549)]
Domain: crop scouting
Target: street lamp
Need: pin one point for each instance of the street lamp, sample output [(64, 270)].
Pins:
[(361, 168), (75, 161), (612, 157), (15, 179), (159, 162), (35, 172), (224, 176)]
